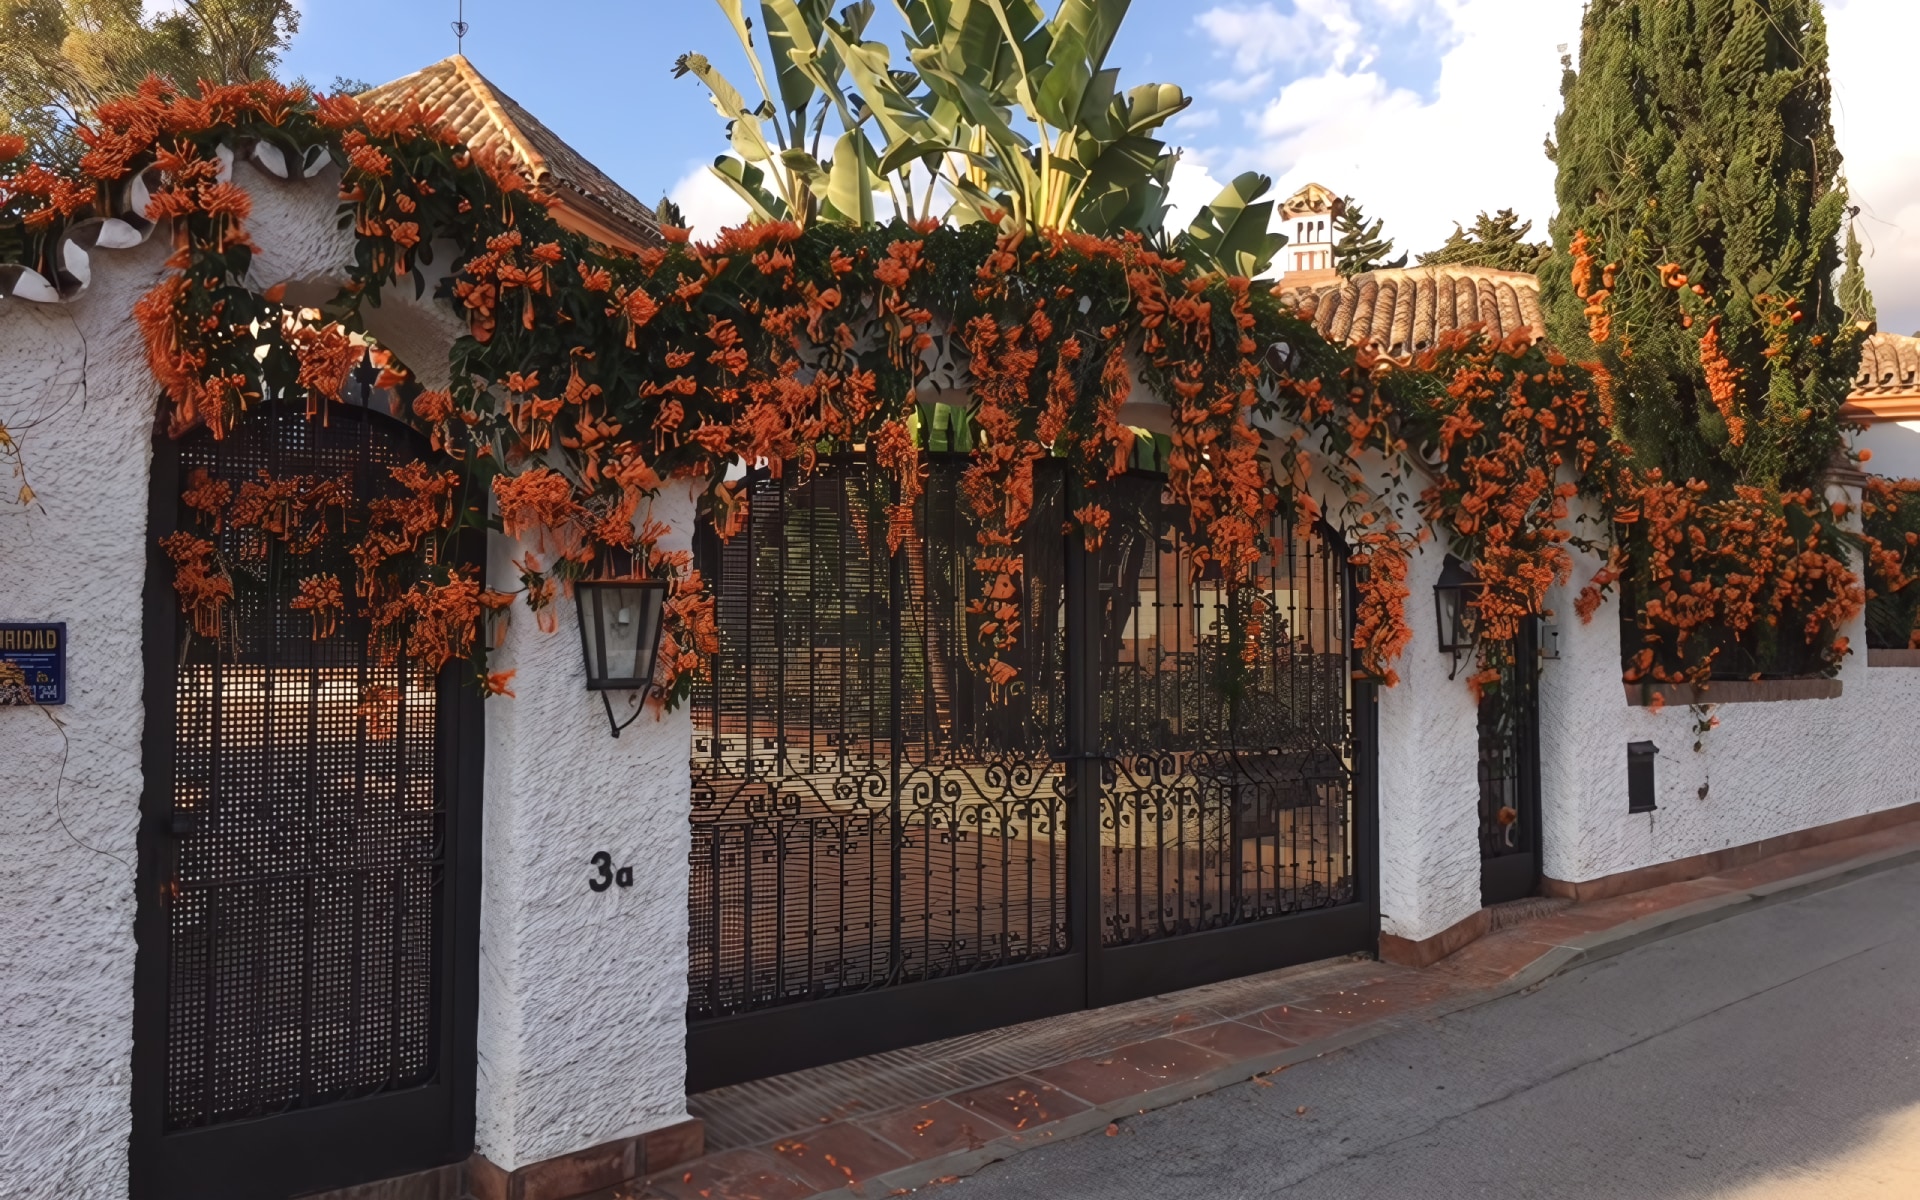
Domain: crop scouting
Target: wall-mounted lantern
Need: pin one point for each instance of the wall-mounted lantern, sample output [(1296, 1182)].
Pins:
[(1453, 600), (620, 621)]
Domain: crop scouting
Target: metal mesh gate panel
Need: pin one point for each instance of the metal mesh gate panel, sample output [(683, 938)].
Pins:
[(307, 815), (1226, 775), (864, 813), (1510, 773)]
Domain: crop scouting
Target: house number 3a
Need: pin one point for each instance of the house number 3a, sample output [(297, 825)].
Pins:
[(603, 862)]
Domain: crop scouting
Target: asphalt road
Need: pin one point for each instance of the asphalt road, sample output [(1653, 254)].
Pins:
[(1772, 1056)]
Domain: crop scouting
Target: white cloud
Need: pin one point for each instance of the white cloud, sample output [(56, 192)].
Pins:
[(1236, 90), (1195, 118), (708, 204), (1872, 115), (1192, 189), (1339, 33), (1264, 35), (1422, 162)]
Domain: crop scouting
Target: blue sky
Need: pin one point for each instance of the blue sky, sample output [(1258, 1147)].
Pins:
[(600, 71), (1426, 110)]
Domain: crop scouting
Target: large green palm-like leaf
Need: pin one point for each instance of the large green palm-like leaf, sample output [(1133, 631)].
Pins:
[(1015, 111), (850, 181), (1231, 235), (749, 183)]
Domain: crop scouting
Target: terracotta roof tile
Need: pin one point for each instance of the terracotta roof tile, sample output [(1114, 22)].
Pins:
[(1889, 364), (488, 118), (1404, 311), (1887, 387)]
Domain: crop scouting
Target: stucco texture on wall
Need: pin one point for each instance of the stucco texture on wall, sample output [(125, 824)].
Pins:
[(582, 993), (74, 386), (1769, 769), (1429, 777)]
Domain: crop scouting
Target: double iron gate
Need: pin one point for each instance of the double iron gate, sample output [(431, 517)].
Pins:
[(889, 848)]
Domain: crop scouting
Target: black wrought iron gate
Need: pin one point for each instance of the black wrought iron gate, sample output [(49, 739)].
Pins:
[(309, 852), (1510, 775), (888, 849)]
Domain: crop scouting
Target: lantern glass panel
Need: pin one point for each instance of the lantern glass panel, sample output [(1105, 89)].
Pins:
[(1448, 601), (620, 631), (1453, 598)]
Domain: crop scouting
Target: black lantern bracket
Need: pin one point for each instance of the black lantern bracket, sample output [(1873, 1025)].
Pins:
[(620, 627), (613, 723)]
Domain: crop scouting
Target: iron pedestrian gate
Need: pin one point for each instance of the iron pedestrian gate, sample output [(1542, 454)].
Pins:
[(886, 852), (309, 849), (1510, 775)]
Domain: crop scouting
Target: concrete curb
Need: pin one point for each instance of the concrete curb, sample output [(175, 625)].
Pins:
[(1576, 952), (1605, 944)]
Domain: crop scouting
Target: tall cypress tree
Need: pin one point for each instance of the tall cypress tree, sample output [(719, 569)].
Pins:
[(1856, 299), (1700, 205)]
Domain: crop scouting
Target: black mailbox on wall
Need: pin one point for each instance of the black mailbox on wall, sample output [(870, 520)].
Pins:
[(1640, 757)]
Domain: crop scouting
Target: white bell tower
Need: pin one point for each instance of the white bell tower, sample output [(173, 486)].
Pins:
[(1307, 219)]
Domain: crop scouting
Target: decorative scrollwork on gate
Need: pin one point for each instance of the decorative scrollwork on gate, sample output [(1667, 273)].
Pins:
[(868, 812), (1227, 788), (863, 815)]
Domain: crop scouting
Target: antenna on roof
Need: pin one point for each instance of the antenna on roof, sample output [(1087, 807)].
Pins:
[(460, 29)]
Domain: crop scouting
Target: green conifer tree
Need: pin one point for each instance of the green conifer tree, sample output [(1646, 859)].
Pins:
[(1498, 241), (1697, 137), (61, 58), (1856, 300), (1360, 247)]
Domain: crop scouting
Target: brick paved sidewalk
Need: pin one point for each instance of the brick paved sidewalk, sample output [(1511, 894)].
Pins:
[(892, 1123)]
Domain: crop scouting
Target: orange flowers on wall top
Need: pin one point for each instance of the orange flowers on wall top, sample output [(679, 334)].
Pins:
[(589, 378)]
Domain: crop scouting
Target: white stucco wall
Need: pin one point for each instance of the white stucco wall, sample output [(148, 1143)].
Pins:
[(1895, 446), (1771, 768), (582, 994), (581, 1034), (1429, 773), (69, 804)]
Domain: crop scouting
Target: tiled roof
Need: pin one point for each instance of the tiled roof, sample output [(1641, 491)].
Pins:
[(1404, 311), (1888, 385), (488, 118)]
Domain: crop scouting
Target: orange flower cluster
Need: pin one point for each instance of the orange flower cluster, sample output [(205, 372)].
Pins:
[(1586, 252), (1726, 574), (1890, 537), (1380, 630), (1515, 426), (321, 599), (770, 347), (434, 623), (203, 586), (399, 526), (326, 355), (1723, 382), (539, 503), (292, 511)]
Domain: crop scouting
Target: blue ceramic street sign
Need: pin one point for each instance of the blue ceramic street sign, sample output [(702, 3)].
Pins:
[(40, 652)]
